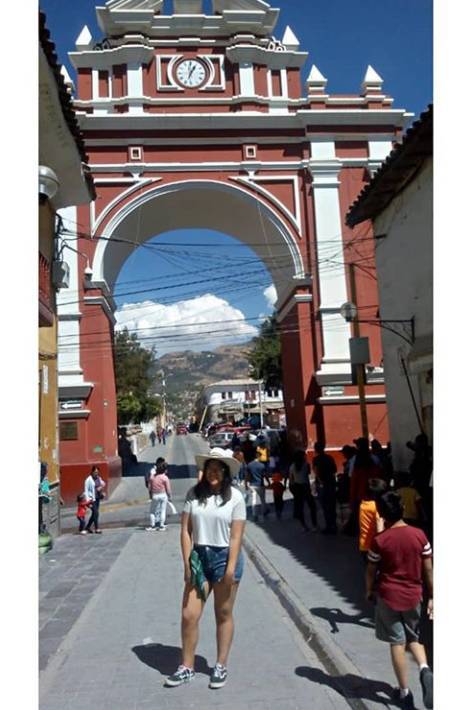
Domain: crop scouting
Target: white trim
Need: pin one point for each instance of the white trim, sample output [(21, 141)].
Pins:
[(157, 191), (187, 167), (173, 86), (137, 184), (95, 85), (352, 399), (247, 80), (74, 413), (245, 120), (103, 302), (294, 301), (269, 79), (108, 103), (211, 59), (379, 149), (284, 84), (295, 219)]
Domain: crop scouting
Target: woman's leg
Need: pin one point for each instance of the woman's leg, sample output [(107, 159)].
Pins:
[(224, 597), (92, 517), (254, 502), (309, 498), (162, 511), (192, 608), (299, 504), (96, 521)]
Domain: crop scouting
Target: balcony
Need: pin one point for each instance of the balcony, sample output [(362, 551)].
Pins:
[(45, 292)]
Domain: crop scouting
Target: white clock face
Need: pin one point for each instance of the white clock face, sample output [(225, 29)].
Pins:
[(191, 73)]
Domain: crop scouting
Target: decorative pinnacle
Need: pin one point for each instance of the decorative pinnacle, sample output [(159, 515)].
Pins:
[(316, 80), (85, 39), (290, 40), (67, 79), (372, 80)]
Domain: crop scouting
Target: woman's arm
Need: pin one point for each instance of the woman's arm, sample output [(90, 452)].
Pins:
[(186, 544), (236, 537)]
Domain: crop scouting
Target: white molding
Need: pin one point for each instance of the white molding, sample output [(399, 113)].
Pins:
[(351, 399), (74, 413), (201, 167), (284, 84), (110, 103), (156, 191), (293, 301), (104, 303), (142, 182), (294, 218), (245, 120)]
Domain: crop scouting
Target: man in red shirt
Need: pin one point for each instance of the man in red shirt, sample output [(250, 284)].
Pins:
[(400, 558)]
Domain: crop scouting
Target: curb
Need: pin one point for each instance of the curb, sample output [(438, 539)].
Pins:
[(332, 657)]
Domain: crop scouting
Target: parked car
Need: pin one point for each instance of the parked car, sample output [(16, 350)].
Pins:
[(181, 429)]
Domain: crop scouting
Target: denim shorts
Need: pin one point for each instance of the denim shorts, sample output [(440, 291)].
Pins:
[(214, 561), (397, 627)]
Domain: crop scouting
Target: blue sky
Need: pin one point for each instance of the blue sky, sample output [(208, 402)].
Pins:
[(342, 38)]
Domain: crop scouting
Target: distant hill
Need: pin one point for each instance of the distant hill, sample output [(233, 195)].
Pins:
[(187, 372)]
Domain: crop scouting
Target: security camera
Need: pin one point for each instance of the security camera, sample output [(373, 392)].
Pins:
[(48, 183)]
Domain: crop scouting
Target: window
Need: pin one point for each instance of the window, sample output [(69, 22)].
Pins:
[(135, 153), (68, 431), (251, 152), (223, 395), (230, 395)]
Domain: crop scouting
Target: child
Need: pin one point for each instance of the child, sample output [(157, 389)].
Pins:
[(83, 505), (160, 492), (278, 492), (401, 555), (411, 499), (370, 523)]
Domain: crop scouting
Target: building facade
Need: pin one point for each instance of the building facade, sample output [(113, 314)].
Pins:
[(233, 400), (399, 201), (63, 181), (205, 121)]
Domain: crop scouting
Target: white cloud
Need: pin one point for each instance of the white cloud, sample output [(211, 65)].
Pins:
[(197, 324), (271, 295)]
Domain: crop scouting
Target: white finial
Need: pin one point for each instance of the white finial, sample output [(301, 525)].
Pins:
[(85, 40), (67, 79), (290, 40), (372, 80), (316, 80)]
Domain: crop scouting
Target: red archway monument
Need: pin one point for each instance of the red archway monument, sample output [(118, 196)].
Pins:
[(195, 120)]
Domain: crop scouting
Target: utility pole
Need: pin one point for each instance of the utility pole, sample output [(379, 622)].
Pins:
[(260, 386), (360, 368)]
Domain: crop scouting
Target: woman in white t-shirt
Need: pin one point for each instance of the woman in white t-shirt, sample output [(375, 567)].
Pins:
[(213, 523)]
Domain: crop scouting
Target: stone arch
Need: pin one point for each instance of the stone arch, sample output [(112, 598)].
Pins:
[(199, 204)]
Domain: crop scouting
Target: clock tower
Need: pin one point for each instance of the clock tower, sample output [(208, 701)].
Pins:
[(195, 115)]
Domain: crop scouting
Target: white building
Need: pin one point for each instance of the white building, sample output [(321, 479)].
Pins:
[(236, 399), (399, 201)]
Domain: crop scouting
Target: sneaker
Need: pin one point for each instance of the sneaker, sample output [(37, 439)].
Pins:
[(162, 528), (218, 677), (406, 702), (182, 675), (98, 532), (89, 531), (83, 532), (150, 529), (426, 680)]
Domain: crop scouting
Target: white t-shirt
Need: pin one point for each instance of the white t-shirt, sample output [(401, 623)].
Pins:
[(211, 522)]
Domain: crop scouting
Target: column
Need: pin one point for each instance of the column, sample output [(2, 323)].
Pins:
[(325, 169), (135, 87)]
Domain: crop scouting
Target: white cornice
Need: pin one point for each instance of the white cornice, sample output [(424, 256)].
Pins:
[(179, 100), (294, 301), (246, 120), (106, 58)]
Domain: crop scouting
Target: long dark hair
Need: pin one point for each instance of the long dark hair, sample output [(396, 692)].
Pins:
[(203, 489), (160, 466)]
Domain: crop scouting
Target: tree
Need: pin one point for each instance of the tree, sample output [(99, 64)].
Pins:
[(134, 370), (265, 356)]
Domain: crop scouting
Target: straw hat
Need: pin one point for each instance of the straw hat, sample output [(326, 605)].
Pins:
[(223, 455)]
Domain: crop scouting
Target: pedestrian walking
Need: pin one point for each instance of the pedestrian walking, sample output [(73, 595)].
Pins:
[(362, 467), (300, 487), (160, 492), (256, 481), (239, 479), (370, 522), (278, 487), (325, 470), (413, 510), (164, 435), (83, 505), (262, 451), (152, 437), (213, 523), (400, 559), (94, 490), (248, 449)]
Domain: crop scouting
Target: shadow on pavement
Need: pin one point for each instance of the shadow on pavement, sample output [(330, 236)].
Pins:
[(337, 616), (351, 686), (166, 659), (133, 470)]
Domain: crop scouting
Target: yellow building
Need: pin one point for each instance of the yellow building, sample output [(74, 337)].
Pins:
[(64, 181)]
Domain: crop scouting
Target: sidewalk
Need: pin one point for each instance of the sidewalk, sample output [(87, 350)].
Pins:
[(321, 582)]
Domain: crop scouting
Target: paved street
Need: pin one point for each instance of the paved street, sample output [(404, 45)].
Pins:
[(109, 614)]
